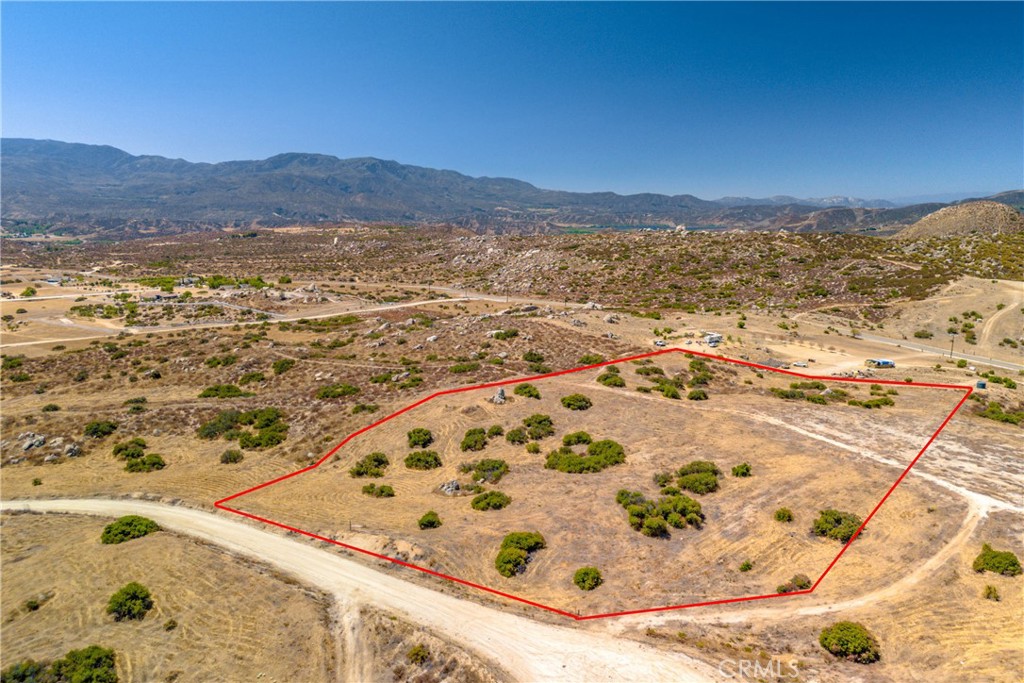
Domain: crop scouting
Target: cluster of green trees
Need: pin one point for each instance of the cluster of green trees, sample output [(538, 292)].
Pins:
[(515, 552), (373, 465), (93, 664), (268, 427), (383, 491), (995, 411), (133, 452), (653, 518), (600, 455), (611, 377), (699, 476), (836, 524), (489, 470), (877, 402)]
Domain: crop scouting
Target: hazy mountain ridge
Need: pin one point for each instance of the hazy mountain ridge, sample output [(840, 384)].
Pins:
[(97, 186)]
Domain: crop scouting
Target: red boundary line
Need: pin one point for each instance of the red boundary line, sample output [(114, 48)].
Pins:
[(447, 392)]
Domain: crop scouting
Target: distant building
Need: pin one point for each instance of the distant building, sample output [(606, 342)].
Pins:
[(880, 363), (712, 339)]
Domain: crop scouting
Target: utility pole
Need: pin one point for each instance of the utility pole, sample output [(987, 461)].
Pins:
[(952, 338)]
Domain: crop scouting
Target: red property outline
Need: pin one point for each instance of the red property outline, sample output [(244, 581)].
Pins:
[(447, 392)]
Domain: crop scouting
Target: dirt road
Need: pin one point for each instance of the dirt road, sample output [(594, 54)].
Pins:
[(528, 650)]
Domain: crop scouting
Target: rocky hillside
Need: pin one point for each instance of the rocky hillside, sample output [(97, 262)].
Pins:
[(982, 217)]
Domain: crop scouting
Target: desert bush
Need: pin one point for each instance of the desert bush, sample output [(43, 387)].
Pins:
[(422, 460), (364, 408), (850, 640), (699, 482), (336, 391), (460, 368), (373, 465), (741, 470), (474, 440), (146, 463), (538, 426), (97, 429), (282, 365), (127, 528), (587, 578), (504, 335), (129, 450), (533, 448), (488, 470), (698, 466), (576, 402), (783, 515), (676, 510), (420, 438), (799, 582), (383, 491), (697, 395), (611, 379), (991, 593), (590, 359), (93, 664), (418, 654), (533, 357), (526, 390), (491, 500), (430, 520), (600, 455), (994, 411), (224, 391), (997, 561), (515, 552), (837, 525), (251, 377), (576, 438), (230, 457), (517, 436), (495, 431), (51, 408), (131, 601), (746, 566)]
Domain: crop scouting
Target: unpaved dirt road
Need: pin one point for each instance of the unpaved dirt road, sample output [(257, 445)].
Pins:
[(528, 650)]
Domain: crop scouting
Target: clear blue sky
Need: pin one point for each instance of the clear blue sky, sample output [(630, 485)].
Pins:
[(872, 99)]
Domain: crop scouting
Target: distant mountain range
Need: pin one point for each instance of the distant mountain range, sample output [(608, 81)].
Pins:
[(93, 188)]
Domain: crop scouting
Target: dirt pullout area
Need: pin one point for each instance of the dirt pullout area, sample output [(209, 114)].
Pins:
[(578, 514), (236, 620)]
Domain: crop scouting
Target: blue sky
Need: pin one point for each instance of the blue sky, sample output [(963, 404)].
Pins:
[(866, 99)]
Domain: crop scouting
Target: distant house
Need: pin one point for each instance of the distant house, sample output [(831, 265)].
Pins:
[(712, 339), (880, 363)]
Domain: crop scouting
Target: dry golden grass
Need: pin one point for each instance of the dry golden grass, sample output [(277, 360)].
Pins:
[(236, 620)]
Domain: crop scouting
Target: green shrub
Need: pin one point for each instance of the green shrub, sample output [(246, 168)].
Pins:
[(146, 463), (422, 460), (131, 601), (600, 455), (741, 470), (510, 561), (576, 402), (129, 450), (336, 391), (533, 448), (430, 520), (383, 491), (533, 357), (997, 561), (697, 395), (526, 390), (488, 470), (611, 379), (576, 438), (224, 391), (98, 429), (231, 457), (590, 359), (587, 578), (850, 640), (674, 510), (127, 528), (923, 334), (474, 440), (538, 426), (364, 408), (460, 368), (699, 482), (746, 566), (783, 515), (504, 335), (51, 408), (418, 655), (283, 365), (837, 525), (250, 377), (491, 500), (420, 438), (517, 436), (799, 582), (373, 465), (93, 664), (991, 593), (698, 466)]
